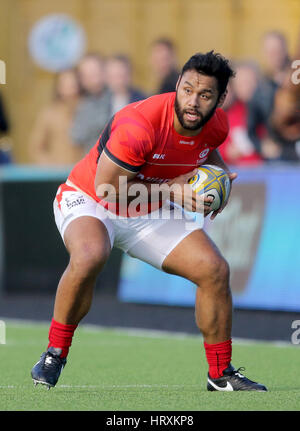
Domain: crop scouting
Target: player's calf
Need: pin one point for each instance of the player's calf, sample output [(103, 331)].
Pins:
[(213, 312), (213, 306)]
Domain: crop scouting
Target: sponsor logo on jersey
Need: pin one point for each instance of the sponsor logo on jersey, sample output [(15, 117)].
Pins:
[(158, 156), (152, 179), (201, 161), (186, 142), (74, 202)]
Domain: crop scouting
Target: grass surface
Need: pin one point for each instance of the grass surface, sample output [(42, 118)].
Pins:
[(112, 370)]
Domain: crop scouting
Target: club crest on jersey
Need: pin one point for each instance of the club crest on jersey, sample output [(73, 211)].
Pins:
[(204, 153)]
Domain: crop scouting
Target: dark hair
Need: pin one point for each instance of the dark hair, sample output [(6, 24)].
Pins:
[(211, 64)]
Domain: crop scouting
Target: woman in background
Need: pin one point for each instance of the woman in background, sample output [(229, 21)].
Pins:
[(50, 142)]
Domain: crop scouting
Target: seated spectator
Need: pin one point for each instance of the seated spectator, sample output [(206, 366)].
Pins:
[(5, 156), (164, 64), (119, 81), (94, 110), (50, 142), (275, 54), (238, 149)]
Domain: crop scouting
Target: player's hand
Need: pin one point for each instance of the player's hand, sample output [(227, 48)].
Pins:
[(182, 194), (232, 177)]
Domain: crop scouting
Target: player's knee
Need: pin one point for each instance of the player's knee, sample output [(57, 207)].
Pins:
[(88, 260), (214, 273), (221, 271)]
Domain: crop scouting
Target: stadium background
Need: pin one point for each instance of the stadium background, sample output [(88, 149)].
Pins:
[(32, 256), (232, 27)]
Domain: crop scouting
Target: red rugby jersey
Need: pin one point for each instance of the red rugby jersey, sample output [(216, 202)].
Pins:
[(141, 138)]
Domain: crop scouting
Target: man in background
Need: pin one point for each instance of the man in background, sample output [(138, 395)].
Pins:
[(285, 116), (95, 108), (119, 81), (276, 57), (163, 60)]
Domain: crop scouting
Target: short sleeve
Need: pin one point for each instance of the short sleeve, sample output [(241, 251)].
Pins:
[(129, 142), (219, 127)]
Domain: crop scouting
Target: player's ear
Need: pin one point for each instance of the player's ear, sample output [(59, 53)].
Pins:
[(222, 98), (178, 82)]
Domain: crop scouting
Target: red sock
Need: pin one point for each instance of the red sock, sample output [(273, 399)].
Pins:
[(218, 357), (60, 336)]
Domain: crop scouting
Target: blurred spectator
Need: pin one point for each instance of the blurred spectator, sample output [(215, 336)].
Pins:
[(275, 54), (4, 128), (238, 149), (94, 110), (285, 116), (3, 120), (119, 81), (50, 142), (164, 64)]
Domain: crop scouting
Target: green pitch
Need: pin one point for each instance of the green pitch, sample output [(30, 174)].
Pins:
[(115, 370)]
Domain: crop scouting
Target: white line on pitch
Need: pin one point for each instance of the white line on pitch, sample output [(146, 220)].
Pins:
[(107, 386), (149, 333)]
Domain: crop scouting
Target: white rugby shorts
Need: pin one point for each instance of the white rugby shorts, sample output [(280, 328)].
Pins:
[(149, 238)]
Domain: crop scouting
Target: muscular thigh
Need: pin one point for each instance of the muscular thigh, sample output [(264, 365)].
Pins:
[(196, 254), (87, 235), (83, 225)]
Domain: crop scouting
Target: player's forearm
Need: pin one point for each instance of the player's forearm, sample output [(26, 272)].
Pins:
[(215, 159), (127, 191), (137, 188)]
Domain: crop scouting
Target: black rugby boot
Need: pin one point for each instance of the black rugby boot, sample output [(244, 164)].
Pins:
[(47, 370), (233, 380)]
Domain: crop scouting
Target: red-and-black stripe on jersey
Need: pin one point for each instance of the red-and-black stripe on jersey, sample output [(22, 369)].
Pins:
[(105, 135)]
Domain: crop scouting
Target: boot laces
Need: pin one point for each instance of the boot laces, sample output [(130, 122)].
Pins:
[(237, 372), (51, 360)]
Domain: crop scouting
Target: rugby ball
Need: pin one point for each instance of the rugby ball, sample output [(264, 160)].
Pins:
[(213, 181)]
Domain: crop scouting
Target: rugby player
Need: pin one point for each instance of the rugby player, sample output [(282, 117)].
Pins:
[(162, 139)]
